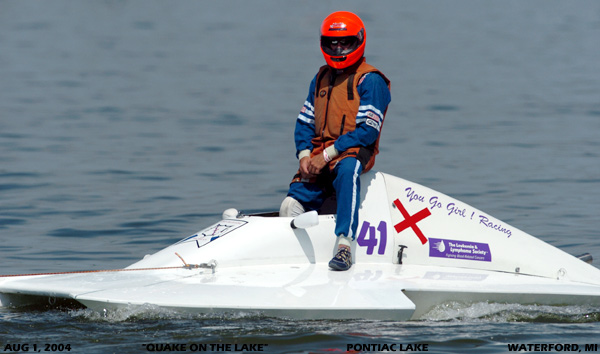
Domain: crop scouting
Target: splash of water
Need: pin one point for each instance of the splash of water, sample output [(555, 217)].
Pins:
[(501, 312)]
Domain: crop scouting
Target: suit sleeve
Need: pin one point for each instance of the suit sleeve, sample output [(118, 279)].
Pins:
[(374, 100), (305, 123)]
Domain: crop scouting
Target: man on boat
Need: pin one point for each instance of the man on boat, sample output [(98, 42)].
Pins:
[(337, 131)]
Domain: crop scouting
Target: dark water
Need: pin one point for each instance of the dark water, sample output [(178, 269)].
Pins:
[(127, 125)]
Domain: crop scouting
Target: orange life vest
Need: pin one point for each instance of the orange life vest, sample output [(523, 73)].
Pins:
[(336, 106)]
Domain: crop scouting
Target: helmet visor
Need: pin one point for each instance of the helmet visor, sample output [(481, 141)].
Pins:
[(339, 46)]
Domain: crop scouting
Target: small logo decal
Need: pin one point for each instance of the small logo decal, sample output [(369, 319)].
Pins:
[(454, 249), (214, 232), (337, 26), (373, 116)]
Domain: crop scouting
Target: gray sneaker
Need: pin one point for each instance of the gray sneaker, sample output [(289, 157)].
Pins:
[(342, 260)]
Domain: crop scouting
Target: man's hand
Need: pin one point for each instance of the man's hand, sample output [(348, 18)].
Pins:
[(316, 164), (311, 167), (304, 164)]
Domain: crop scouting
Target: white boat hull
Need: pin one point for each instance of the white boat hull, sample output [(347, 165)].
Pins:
[(450, 252)]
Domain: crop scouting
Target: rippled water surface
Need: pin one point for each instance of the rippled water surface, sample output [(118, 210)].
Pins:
[(127, 125)]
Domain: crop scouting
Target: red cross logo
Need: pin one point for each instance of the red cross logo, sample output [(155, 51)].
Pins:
[(411, 220)]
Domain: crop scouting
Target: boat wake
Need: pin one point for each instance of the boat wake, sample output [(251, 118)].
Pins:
[(153, 312), (497, 312)]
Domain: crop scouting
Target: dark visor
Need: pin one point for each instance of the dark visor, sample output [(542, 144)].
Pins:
[(337, 46)]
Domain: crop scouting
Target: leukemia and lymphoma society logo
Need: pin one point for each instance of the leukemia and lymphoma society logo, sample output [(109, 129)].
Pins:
[(473, 251)]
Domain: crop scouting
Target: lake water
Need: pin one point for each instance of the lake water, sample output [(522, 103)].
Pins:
[(128, 125)]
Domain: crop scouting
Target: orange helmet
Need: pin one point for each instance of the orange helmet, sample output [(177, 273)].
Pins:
[(343, 38)]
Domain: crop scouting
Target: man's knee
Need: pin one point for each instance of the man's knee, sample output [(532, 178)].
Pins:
[(290, 207), (349, 168)]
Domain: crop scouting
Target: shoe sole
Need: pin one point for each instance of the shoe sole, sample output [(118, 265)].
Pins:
[(335, 266)]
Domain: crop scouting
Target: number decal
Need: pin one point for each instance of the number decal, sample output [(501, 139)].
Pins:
[(368, 237), (382, 228), (370, 242)]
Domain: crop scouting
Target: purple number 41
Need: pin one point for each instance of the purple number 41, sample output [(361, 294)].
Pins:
[(368, 237)]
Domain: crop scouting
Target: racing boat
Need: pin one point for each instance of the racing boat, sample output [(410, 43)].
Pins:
[(416, 248)]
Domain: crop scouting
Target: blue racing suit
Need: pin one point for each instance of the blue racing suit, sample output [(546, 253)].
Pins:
[(355, 145)]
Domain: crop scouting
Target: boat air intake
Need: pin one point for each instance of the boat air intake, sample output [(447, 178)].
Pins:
[(306, 220)]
